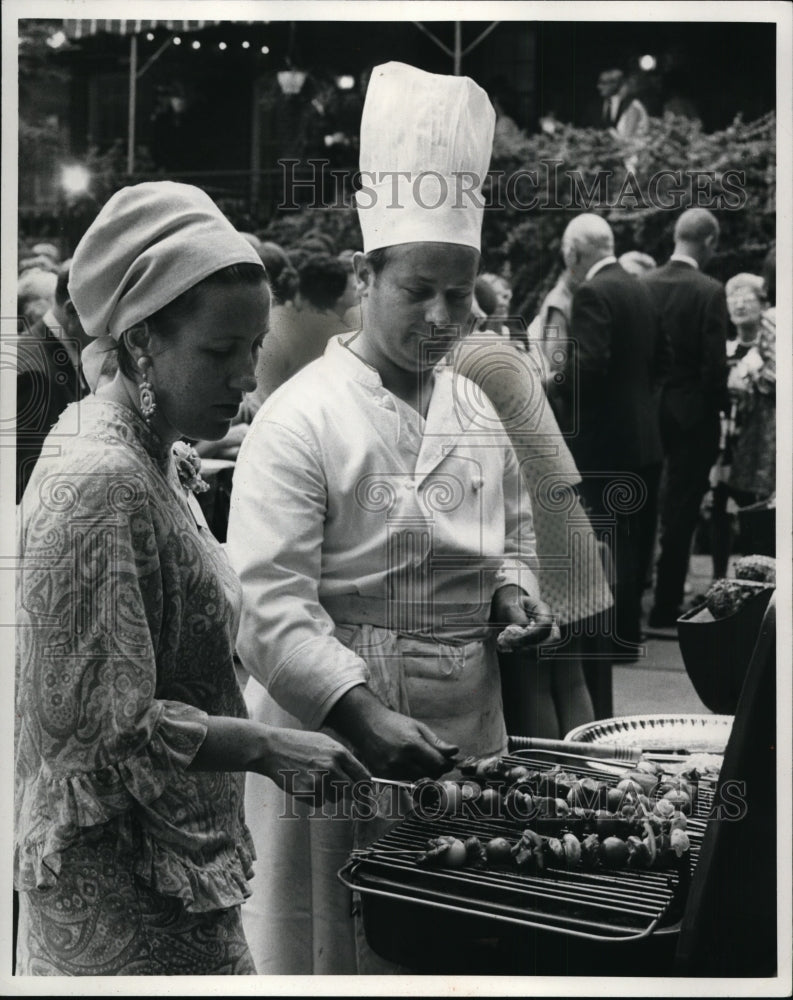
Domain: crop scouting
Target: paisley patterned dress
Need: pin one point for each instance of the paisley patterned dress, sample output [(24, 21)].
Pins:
[(126, 862)]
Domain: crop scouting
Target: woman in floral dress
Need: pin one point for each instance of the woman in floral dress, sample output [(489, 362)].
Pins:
[(131, 851)]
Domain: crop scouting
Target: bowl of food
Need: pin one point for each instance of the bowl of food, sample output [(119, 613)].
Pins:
[(717, 638)]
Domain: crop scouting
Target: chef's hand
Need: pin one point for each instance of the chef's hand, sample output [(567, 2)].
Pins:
[(392, 745), (513, 606)]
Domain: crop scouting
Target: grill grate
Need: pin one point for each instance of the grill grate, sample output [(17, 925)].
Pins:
[(603, 904)]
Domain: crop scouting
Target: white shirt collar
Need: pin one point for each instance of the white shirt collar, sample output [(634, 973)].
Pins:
[(685, 259), (599, 265), (55, 328), (48, 319)]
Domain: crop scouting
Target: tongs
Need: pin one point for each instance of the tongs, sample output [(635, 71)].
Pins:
[(602, 756), (616, 753)]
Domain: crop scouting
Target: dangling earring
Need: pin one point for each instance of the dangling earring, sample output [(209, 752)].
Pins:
[(148, 402)]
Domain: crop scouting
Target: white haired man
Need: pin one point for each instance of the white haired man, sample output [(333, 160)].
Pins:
[(609, 398)]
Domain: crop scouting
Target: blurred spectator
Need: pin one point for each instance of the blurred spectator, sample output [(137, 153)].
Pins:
[(298, 256), (300, 332), (551, 327), (48, 250), (254, 241), (486, 297), (622, 111), (500, 291), (623, 114), (693, 315), (48, 375), (35, 296), (280, 272), (745, 474), (317, 242), (610, 390), (494, 296), (638, 263)]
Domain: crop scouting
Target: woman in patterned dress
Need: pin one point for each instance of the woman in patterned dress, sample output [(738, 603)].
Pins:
[(131, 851)]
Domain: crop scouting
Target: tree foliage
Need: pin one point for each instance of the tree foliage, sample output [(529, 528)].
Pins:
[(538, 183)]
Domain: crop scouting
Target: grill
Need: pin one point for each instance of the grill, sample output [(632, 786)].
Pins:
[(404, 902)]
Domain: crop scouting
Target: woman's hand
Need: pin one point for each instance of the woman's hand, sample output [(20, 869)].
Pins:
[(309, 765), (513, 606), (306, 764)]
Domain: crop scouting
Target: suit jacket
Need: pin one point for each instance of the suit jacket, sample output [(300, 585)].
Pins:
[(606, 119), (613, 376), (693, 314), (46, 383)]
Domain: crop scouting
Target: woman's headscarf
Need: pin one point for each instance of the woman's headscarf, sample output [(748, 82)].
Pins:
[(150, 243)]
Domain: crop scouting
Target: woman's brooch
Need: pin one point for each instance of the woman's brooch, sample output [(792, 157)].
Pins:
[(188, 468)]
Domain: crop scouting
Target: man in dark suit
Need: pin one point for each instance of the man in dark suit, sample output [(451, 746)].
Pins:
[(620, 108), (611, 390), (693, 313), (48, 376)]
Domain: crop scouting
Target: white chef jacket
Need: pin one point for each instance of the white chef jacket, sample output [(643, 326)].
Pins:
[(339, 497)]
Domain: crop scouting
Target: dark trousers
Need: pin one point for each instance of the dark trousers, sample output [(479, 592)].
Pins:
[(625, 517), (690, 455)]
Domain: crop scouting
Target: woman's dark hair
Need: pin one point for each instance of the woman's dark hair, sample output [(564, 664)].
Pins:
[(167, 320), (280, 272), (486, 296), (323, 280)]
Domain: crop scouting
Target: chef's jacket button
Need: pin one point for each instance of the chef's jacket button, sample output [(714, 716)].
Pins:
[(477, 483), (501, 575), (409, 484)]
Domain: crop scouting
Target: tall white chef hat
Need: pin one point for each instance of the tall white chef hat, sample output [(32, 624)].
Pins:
[(426, 141)]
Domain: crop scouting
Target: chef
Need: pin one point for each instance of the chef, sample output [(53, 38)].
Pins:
[(379, 524)]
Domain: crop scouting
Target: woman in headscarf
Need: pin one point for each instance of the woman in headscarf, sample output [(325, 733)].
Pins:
[(132, 855)]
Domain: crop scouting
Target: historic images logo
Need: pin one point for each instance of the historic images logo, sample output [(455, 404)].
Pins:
[(545, 187)]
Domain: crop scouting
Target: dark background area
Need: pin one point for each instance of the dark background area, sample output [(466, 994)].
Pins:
[(719, 70)]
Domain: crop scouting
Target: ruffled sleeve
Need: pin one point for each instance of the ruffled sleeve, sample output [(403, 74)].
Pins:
[(93, 740)]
